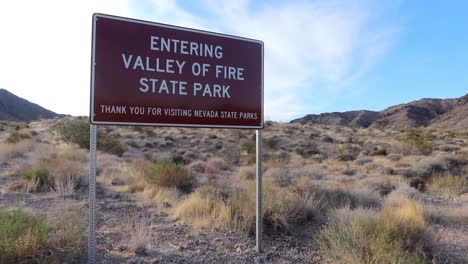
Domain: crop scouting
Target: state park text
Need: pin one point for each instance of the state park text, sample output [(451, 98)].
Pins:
[(177, 67), (160, 111)]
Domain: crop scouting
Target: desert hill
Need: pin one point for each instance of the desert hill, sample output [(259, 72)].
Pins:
[(426, 112), (14, 108)]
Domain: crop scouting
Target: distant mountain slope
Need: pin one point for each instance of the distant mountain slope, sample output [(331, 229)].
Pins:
[(14, 108), (435, 113)]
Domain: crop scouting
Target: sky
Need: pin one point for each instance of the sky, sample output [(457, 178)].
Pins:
[(320, 56)]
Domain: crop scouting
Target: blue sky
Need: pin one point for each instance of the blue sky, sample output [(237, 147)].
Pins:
[(320, 56)]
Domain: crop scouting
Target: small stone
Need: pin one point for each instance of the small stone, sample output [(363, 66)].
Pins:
[(239, 250)]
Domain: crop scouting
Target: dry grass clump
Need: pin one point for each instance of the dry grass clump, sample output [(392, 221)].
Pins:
[(393, 235), (68, 235), (139, 228), (16, 136), (447, 215), (346, 152), (446, 163), (10, 151), (204, 208), (448, 185)]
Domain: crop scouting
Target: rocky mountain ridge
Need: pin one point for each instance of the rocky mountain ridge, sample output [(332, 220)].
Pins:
[(426, 112)]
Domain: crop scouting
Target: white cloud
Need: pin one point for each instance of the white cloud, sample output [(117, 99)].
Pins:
[(45, 45)]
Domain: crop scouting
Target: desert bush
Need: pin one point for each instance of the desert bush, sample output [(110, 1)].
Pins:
[(280, 176), (21, 234), (10, 151), (421, 139), (16, 136), (394, 235), (374, 149), (271, 142), (346, 152), (213, 166), (247, 173), (249, 147), (138, 226), (76, 131), (231, 156), (197, 166), (37, 179), (68, 235), (448, 185), (446, 163), (169, 174), (283, 211), (446, 215), (394, 156), (307, 150), (204, 208)]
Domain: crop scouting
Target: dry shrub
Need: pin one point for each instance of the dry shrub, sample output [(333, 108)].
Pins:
[(448, 185), (10, 151), (36, 179), (346, 152), (170, 174), (16, 136), (446, 163), (279, 176), (197, 166), (213, 166), (247, 173), (422, 140), (69, 230), (447, 215), (394, 235), (168, 197), (139, 228), (204, 208), (66, 175)]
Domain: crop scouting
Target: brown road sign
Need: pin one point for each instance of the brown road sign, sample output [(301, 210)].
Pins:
[(146, 73)]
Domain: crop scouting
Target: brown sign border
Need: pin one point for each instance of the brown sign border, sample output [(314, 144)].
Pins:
[(93, 57)]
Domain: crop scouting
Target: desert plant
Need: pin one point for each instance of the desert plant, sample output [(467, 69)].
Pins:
[(138, 226), (38, 178), (446, 163), (169, 174), (449, 185), (16, 136), (76, 131), (394, 235), (68, 235), (21, 234), (346, 152), (422, 139)]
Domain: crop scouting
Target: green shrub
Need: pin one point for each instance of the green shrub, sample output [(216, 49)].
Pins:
[(16, 137), (21, 234), (170, 174), (39, 177), (77, 131), (421, 139)]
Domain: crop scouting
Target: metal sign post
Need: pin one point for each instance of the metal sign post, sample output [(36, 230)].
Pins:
[(92, 197), (258, 247)]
